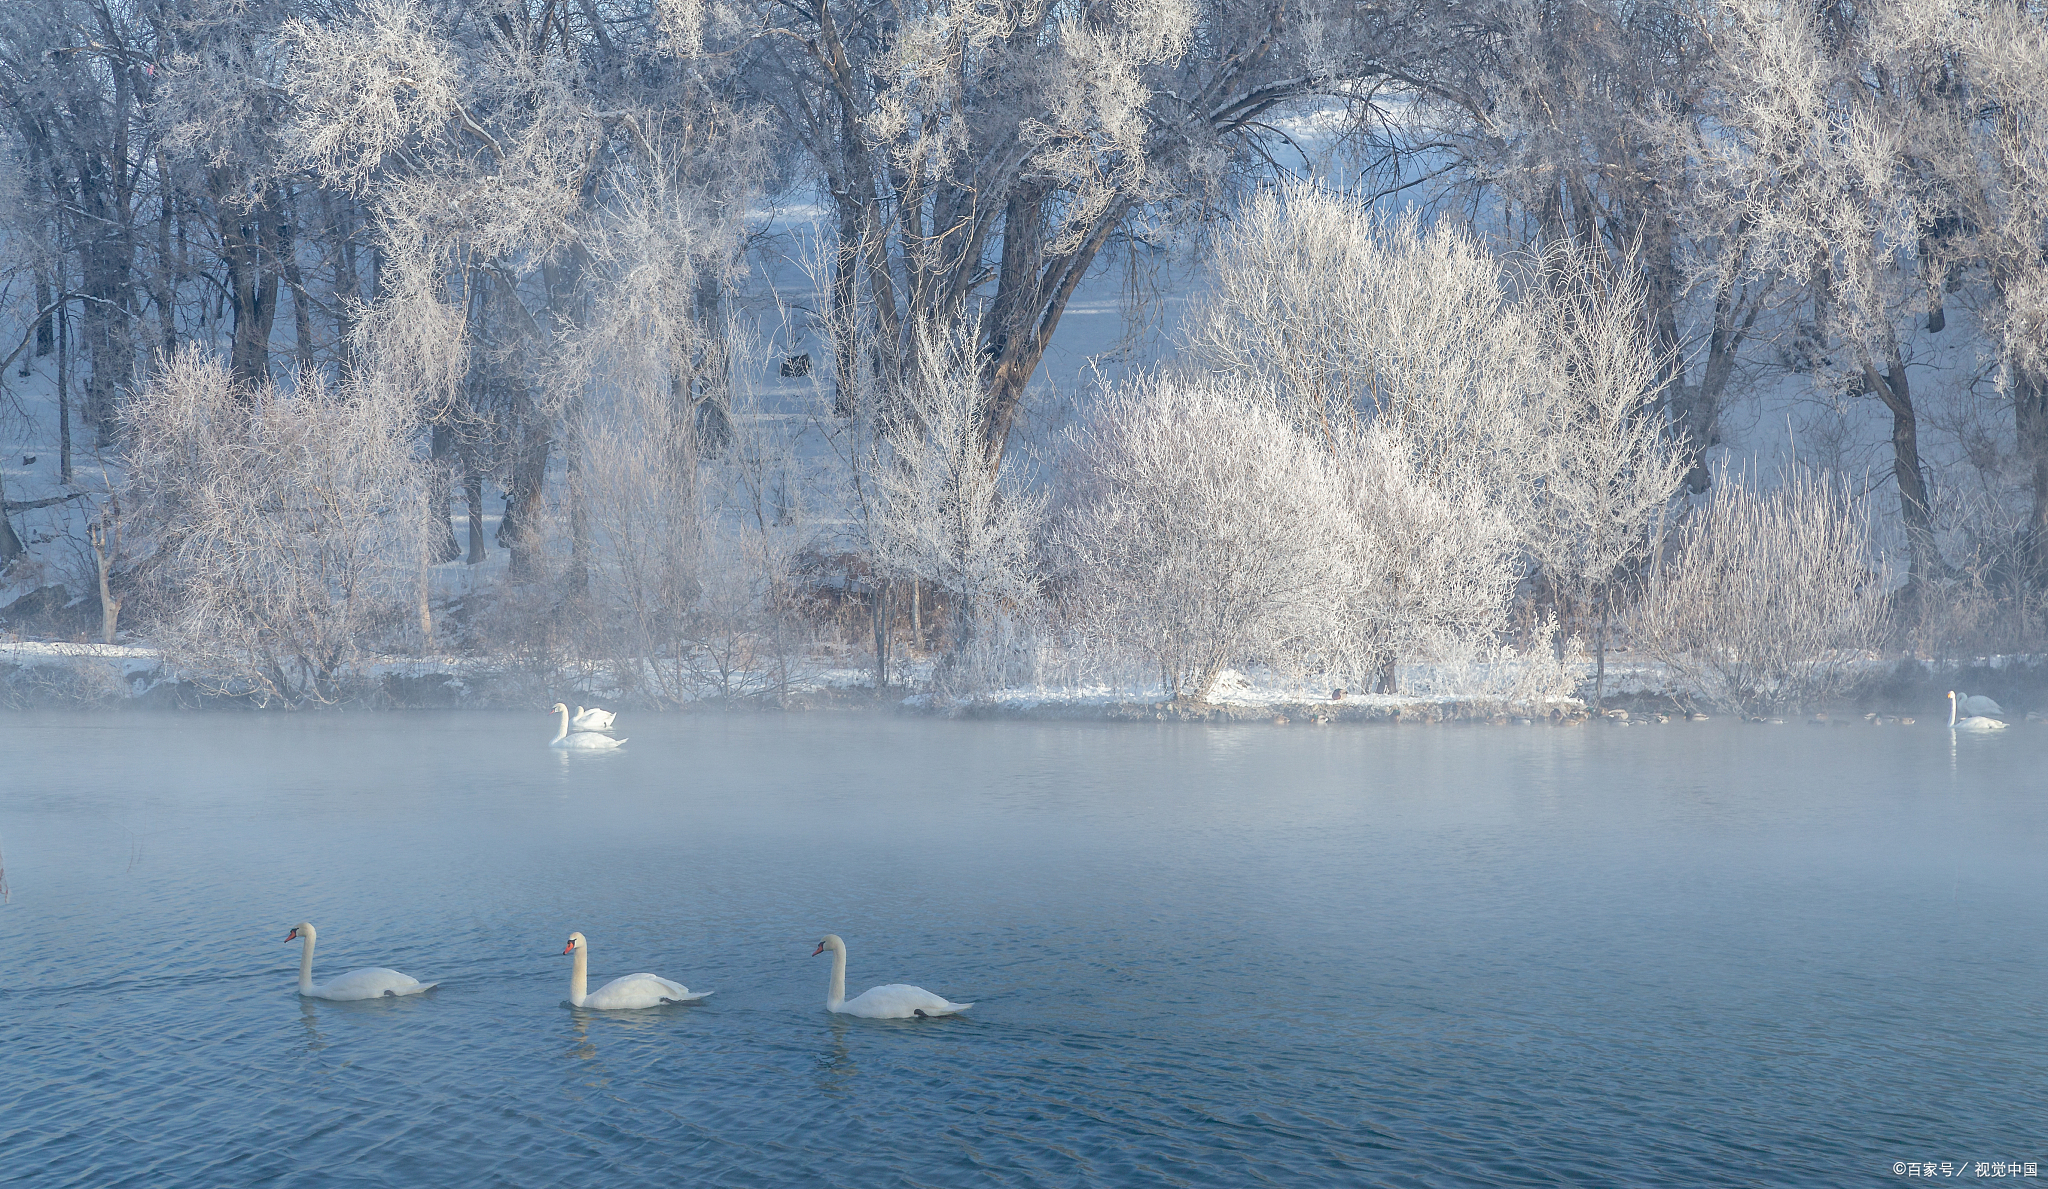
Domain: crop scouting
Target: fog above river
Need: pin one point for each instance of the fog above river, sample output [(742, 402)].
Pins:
[(1508, 955)]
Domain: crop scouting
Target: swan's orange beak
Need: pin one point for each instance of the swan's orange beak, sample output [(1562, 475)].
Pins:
[(819, 950), (294, 936), (569, 948)]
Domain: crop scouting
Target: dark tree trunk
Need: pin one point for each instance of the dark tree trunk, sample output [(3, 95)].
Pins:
[(443, 547), (63, 394), (473, 495), (46, 331), (878, 612), (1891, 387), (2030, 423), (249, 249), (519, 531)]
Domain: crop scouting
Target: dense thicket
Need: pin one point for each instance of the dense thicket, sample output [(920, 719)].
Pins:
[(717, 325)]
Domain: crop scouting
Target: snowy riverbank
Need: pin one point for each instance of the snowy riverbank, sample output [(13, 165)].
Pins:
[(44, 672)]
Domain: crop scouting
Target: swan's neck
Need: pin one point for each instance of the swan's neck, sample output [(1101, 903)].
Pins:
[(1951, 710), (835, 991), (559, 736), (579, 978), (306, 963)]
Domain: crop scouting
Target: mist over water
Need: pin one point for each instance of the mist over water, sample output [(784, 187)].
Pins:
[(1680, 954)]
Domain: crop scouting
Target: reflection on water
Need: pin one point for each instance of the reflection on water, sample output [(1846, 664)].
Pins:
[(310, 1021), (1454, 956)]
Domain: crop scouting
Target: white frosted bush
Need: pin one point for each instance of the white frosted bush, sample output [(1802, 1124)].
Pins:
[(290, 531), (1211, 534), (1771, 598)]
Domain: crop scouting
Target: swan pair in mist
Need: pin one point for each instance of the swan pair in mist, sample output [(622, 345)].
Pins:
[(1977, 706), (896, 1001), (589, 724)]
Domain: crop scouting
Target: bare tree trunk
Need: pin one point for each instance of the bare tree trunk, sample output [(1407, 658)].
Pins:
[(1892, 388), (104, 553), (473, 495), (879, 613), (1386, 673), (517, 531), (433, 506), (248, 246), (442, 538), (63, 394), (1600, 658), (302, 305), (46, 340), (2030, 424)]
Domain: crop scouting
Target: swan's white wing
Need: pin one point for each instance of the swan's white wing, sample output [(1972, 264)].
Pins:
[(640, 990), (899, 1001), (371, 982), (592, 719), (1979, 704), (1980, 724)]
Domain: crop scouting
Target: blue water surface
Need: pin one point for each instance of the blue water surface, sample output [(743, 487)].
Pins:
[(1683, 954)]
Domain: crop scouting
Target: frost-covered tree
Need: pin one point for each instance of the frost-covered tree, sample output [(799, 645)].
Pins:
[(1584, 125), (288, 529), (1434, 569), (1210, 533), (977, 159), (1608, 466), (527, 193), (936, 513), (1832, 153), (1771, 597), (1531, 408)]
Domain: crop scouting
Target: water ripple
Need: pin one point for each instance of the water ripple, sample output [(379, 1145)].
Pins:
[(1374, 958)]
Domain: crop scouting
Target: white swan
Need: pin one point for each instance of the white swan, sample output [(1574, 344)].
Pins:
[(580, 740), (1972, 723), (593, 719), (371, 982), (621, 994), (897, 1001), (1978, 704)]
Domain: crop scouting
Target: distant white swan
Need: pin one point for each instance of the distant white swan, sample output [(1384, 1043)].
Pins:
[(580, 740), (622, 994), (593, 719), (371, 982), (1972, 723), (1978, 704), (897, 1001)]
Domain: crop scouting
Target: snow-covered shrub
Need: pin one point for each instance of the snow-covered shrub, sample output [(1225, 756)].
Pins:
[(1433, 569), (938, 512), (289, 531), (1210, 533), (1771, 597), (1349, 317), (1606, 467), (1528, 406)]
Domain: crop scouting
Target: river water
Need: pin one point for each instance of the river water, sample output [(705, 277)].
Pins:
[(1698, 954)]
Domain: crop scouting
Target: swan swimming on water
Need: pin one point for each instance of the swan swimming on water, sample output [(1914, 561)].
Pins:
[(629, 993), (593, 719), (579, 740), (897, 1001), (371, 982), (1972, 723), (1978, 704)]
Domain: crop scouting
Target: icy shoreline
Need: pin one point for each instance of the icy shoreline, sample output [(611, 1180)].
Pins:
[(69, 673), (51, 672)]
